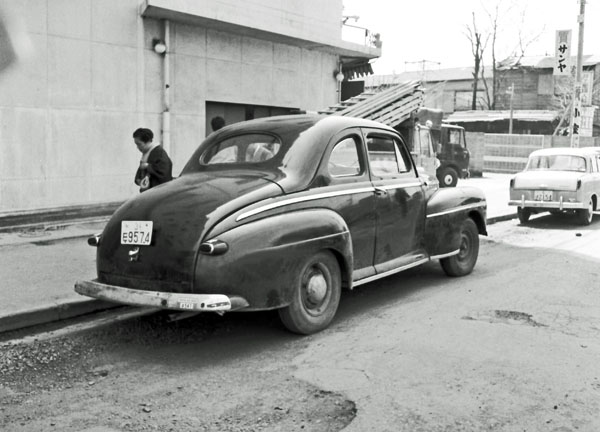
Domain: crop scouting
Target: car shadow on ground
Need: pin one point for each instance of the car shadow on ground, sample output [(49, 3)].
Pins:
[(190, 342), (560, 221)]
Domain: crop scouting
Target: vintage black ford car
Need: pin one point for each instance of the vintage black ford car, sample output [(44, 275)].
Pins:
[(282, 213)]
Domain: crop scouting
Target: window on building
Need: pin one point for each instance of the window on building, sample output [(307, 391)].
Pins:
[(463, 100), (545, 84)]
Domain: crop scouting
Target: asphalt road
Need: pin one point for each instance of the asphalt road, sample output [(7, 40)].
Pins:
[(512, 347)]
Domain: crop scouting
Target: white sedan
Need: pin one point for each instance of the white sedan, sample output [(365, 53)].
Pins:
[(557, 180)]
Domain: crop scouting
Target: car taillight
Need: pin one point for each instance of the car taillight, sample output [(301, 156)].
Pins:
[(214, 247), (578, 184), (512, 182), (95, 240)]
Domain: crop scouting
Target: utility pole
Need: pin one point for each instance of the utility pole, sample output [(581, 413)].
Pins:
[(423, 66), (576, 113), (510, 121)]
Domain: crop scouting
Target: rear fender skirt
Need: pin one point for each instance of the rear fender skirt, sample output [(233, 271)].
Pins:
[(264, 256), (446, 210)]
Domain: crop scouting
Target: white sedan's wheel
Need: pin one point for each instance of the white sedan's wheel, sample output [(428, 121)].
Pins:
[(585, 215), (316, 295), (523, 214)]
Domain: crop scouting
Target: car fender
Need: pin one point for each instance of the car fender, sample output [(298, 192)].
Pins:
[(446, 210), (264, 256)]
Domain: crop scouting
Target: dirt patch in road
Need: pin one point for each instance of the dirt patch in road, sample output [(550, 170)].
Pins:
[(147, 375), (504, 317)]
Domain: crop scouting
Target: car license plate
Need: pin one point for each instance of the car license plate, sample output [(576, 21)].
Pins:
[(542, 195), (136, 233)]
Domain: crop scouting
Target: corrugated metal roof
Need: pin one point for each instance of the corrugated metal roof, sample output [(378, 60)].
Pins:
[(434, 75), (491, 116), (543, 62), (390, 106)]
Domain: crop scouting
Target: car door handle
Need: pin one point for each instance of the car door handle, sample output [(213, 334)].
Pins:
[(380, 191)]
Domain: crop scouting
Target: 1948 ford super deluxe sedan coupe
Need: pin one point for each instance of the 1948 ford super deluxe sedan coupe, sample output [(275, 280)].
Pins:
[(282, 213)]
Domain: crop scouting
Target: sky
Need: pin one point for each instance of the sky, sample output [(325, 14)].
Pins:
[(434, 30)]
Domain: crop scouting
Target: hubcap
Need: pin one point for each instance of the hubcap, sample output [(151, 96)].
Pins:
[(316, 288), (448, 179), (465, 246)]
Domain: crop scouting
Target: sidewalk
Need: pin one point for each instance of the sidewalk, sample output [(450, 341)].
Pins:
[(39, 268)]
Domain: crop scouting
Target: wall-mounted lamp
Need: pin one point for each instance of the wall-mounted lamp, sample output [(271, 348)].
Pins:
[(159, 46), (338, 75)]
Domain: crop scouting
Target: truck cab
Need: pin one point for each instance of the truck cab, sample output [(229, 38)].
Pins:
[(450, 146), (421, 144), (453, 155)]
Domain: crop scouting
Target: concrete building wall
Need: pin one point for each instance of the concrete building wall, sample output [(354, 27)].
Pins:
[(87, 76)]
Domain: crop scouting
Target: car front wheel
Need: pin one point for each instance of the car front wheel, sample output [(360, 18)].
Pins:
[(585, 215), (462, 263), (524, 214), (316, 295)]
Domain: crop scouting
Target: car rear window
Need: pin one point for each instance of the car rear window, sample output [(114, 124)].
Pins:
[(242, 149), (556, 163)]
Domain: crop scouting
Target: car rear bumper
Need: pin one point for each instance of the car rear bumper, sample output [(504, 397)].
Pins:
[(561, 205), (162, 300)]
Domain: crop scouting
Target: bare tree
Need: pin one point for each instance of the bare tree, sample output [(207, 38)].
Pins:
[(496, 16), (477, 49)]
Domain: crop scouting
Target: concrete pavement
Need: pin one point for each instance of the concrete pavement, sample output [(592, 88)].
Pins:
[(39, 267)]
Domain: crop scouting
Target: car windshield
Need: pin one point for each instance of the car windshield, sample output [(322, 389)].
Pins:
[(556, 163), (242, 149)]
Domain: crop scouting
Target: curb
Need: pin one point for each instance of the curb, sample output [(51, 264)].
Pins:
[(501, 218), (75, 308), (50, 313)]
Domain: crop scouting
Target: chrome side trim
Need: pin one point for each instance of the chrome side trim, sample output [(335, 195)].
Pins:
[(446, 255), (302, 199), (305, 198), (457, 209), (400, 185), (389, 272)]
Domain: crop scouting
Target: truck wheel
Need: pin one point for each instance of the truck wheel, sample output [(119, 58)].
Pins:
[(462, 263), (523, 214), (316, 295), (449, 177), (584, 216)]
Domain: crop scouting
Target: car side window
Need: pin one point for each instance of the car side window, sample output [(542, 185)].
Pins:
[(344, 160), (385, 156)]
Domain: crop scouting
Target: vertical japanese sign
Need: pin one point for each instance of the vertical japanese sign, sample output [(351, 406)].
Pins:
[(562, 58), (576, 124)]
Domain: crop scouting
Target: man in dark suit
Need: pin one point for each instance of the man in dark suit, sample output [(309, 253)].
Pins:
[(156, 166)]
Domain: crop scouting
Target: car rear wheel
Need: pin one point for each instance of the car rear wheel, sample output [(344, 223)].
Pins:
[(316, 295), (449, 177), (462, 263), (585, 216), (524, 214)]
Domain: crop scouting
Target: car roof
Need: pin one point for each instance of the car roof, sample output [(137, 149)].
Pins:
[(572, 151), (304, 121), (304, 139)]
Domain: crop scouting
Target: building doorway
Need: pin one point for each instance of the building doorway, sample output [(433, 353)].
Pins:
[(234, 113)]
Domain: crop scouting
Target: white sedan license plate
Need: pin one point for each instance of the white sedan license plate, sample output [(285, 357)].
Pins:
[(542, 195), (136, 233)]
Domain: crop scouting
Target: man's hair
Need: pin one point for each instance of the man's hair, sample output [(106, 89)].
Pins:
[(217, 123), (143, 134)]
